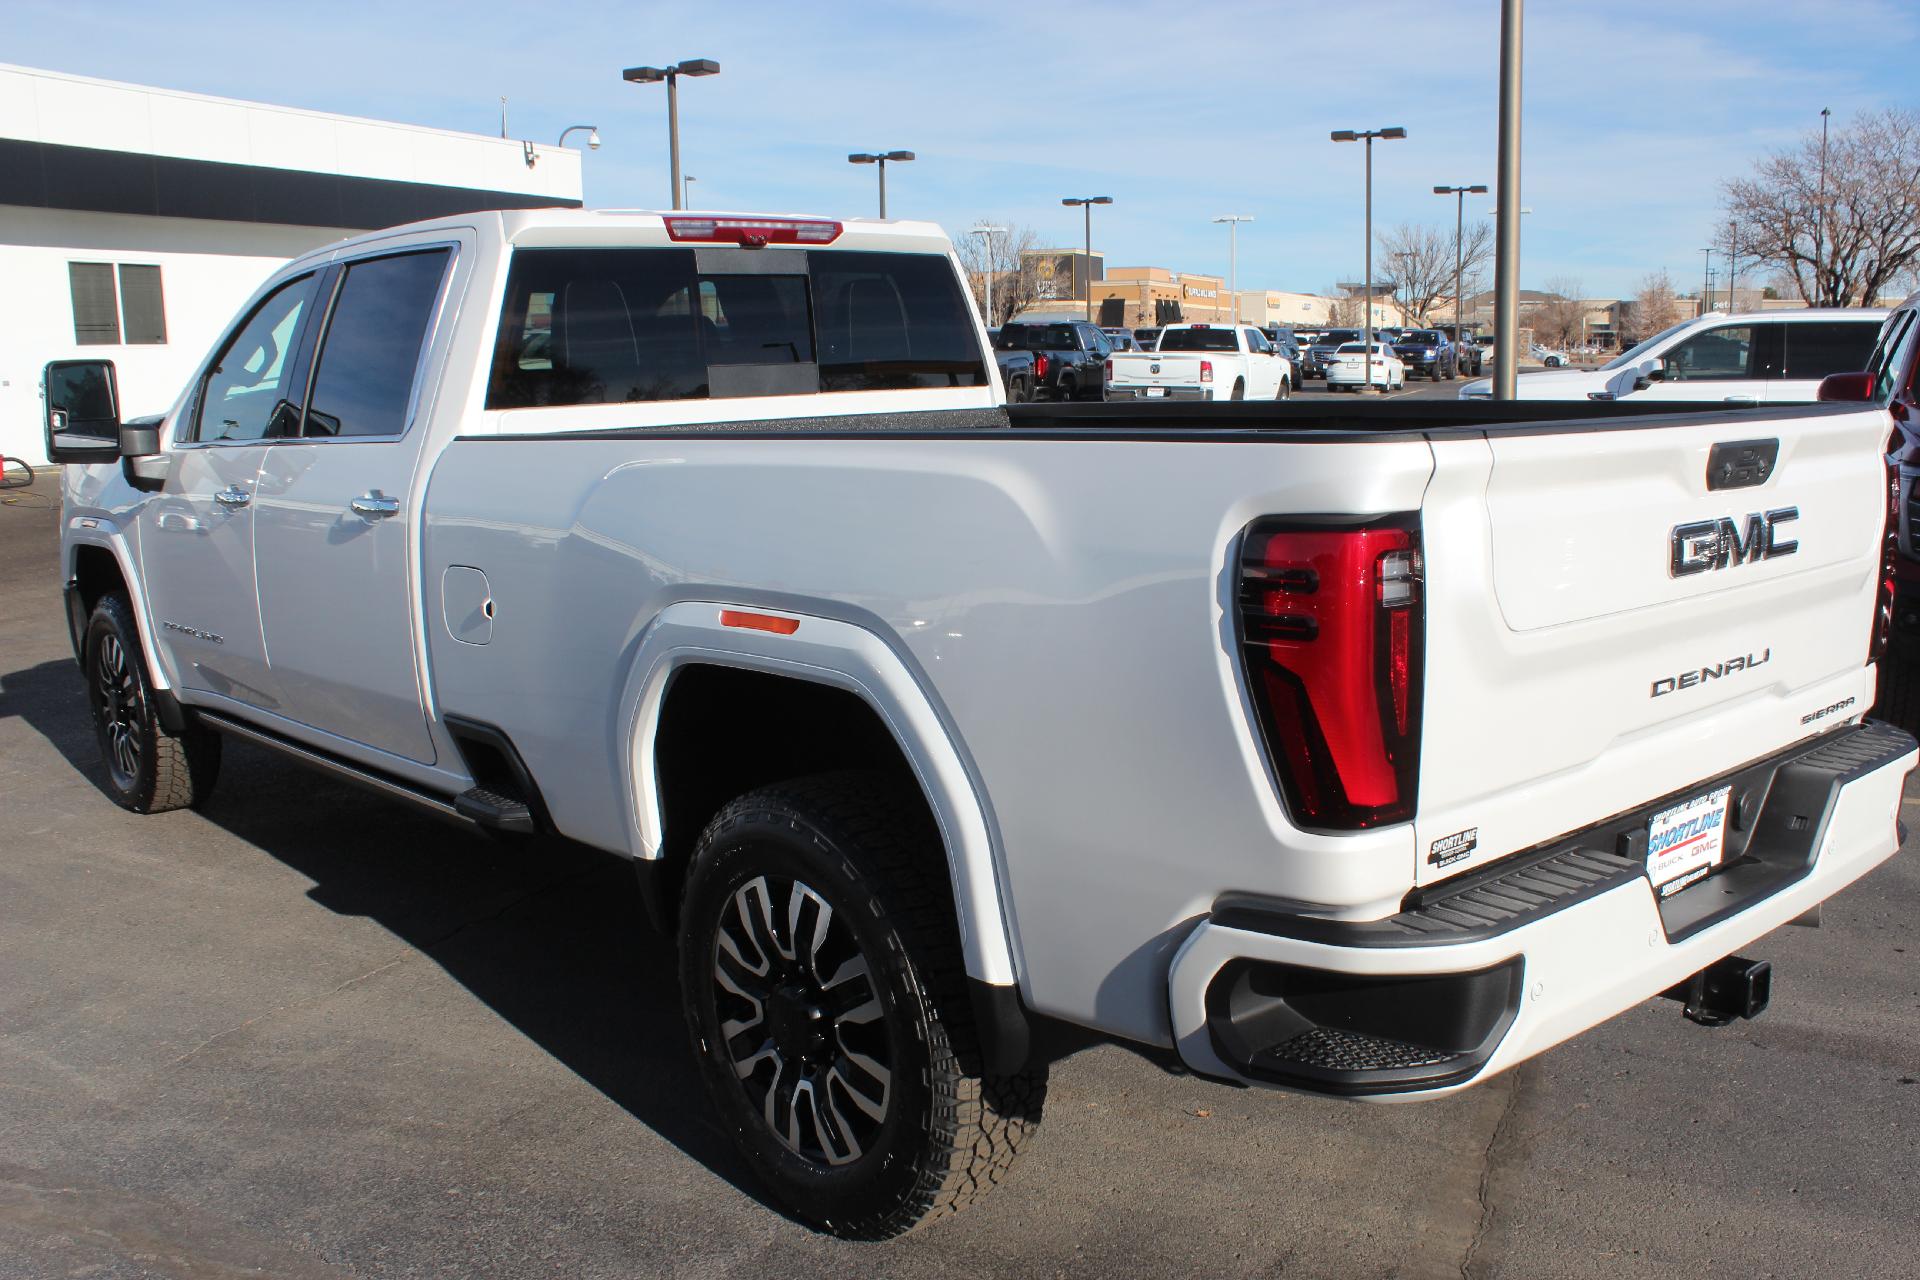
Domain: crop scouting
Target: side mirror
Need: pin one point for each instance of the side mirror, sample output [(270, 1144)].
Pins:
[(82, 411), (1656, 372), (1846, 388)]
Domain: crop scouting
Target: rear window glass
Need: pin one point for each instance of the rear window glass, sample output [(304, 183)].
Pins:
[(1424, 336), (1198, 340), (1816, 348), (1038, 337), (618, 326)]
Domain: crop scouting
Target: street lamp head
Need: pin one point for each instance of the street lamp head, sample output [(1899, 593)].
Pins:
[(1345, 135), (1395, 132), (1443, 191), (861, 157), (593, 140), (898, 155), (1477, 189), (643, 75), (698, 67)]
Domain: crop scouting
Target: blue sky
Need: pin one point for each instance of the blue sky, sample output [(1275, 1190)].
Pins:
[(1636, 110)]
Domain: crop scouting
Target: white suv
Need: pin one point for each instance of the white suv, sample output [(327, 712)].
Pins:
[(1774, 357)]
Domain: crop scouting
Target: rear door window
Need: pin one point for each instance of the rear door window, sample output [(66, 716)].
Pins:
[(1816, 348), (363, 382)]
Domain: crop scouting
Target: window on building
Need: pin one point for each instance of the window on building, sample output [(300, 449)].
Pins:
[(143, 310), (134, 312), (96, 307)]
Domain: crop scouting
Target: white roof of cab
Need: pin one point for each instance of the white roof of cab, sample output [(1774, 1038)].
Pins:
[(608, 228)]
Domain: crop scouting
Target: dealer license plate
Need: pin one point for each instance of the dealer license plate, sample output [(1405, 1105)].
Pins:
[(1156, 391), (1685, 843)]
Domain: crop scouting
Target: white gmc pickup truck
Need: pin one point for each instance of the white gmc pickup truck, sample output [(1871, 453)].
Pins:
[(1361, 752)]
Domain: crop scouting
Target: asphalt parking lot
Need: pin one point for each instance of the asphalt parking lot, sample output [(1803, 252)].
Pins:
[(306, 1033)]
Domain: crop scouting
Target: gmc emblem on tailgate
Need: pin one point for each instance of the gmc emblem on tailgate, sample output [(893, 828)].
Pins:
[(1719, 544)]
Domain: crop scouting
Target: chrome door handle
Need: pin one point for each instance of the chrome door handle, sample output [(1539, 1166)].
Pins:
[(373, 506), (1741, 400), (233, 496)]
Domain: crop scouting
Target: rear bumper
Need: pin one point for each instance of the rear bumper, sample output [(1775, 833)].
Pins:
[(1482, 974), (1168, 393)]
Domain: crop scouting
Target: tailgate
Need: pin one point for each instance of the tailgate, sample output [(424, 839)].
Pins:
[(1151, 368), (1604, 628)]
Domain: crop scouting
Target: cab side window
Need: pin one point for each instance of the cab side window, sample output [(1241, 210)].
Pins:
[(249, 394), (1717, 355), (367, 359)]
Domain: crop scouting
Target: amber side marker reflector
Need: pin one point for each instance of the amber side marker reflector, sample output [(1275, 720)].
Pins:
[(759, 622)]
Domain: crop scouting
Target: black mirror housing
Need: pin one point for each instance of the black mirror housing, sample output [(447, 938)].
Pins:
[(140, 438), (82, 411)]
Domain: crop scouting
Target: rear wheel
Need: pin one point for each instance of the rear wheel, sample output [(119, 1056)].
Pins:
[(148, 769), (1239, 389), (821, 968)]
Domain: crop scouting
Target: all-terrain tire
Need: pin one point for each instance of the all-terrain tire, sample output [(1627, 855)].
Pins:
[(148, 769), (1239, 390), (902, 1031)]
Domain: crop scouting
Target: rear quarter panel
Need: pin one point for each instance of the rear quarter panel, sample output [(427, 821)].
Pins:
[(1064, 602)]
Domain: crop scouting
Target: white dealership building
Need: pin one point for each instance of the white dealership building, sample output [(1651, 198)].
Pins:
[(134, 221)]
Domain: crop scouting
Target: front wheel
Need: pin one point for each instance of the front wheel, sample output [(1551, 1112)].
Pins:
[(1286, 390), (820, 963), (148, 769)]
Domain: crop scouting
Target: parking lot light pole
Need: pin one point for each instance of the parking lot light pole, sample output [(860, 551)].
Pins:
[(987, 233), (1086, 204), (1233, 221), (1460, 195), (672, 74), (1506, 261), (1820, 217), (880, 158), (1706, 282), (1368, 135)]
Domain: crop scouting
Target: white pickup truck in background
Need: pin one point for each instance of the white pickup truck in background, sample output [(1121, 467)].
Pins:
[(1363, 750), (1202, 362)]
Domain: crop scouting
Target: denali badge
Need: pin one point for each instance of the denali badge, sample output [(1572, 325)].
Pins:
[(195, 632), (1700, 675), (1717, 544)]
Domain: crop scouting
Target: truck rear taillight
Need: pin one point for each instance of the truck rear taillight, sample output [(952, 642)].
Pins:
[(1332, 630), (1206, 371), (752, 232), (1889, 553), (1040, 366), (1109, 370)]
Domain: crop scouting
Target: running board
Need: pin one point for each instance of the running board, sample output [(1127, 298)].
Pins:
[(359, 775)]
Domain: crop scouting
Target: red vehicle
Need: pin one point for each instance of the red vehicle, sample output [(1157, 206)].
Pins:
[(1892, 379)]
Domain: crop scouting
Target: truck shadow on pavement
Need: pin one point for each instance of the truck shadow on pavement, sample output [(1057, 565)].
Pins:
[(551, 937)]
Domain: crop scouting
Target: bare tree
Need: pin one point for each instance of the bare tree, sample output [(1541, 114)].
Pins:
[(1346, 311), (1558, 323), (1653, 309), (1016, 273), (1421, 260), (1864, 236)]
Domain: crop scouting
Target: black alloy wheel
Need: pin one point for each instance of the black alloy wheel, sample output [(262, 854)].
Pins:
[(827, 999), (149, 770)]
